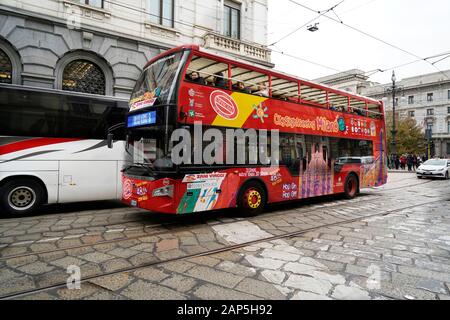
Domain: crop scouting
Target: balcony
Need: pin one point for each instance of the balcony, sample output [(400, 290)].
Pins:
[(248, 51), (441, 135)]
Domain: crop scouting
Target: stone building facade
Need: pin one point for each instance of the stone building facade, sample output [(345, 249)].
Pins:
[(425, 98), (101, 46)]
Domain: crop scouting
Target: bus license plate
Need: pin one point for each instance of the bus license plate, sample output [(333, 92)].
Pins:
[(134, 203)]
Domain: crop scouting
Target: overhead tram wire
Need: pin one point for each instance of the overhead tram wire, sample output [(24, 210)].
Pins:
[(304, 25), (281, 52), (448, 56), (367, 73), (192, 25), (308, 61), (412, 62), (371, 36), (139, 10)]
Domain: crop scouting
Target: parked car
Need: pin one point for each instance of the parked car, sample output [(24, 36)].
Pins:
[(439, 168)]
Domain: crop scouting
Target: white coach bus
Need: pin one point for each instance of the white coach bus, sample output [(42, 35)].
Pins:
[(53, 148)]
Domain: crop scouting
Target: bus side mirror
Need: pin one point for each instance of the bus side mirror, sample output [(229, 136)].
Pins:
[(110, 140), (127, 145)]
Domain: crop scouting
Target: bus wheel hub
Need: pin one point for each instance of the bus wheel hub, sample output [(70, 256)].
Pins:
[(253, 199), (21, 198)]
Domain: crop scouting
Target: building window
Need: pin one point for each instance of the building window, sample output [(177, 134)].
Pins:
[(448, 128), (93, 3), (84, 76), (232, 20), (5, 68), (411, 100), (448, 94), (411, 114), (430, 112), (448, 109), (429, 97), (430, 126), (161, 12)]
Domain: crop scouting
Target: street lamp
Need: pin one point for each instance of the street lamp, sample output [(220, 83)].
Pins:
[(393, 90), (394, 131)]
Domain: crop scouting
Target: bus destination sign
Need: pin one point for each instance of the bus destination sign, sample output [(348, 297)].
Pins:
[(142, 119)]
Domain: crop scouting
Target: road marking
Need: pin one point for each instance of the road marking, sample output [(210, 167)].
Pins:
[(20, 243), (49, 240), (114, 230), (73, 237)]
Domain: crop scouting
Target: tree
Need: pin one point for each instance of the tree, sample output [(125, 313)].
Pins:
[(410, 138)]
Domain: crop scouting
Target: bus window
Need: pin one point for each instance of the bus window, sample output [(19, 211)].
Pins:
[(28, 114), (284, 89), (354, 148), (208, 72), (249, 81), (46, 114)]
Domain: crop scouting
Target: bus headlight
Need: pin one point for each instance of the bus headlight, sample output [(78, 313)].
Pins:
[(166, 191)]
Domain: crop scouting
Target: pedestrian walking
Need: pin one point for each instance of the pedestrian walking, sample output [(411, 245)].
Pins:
[(397, 162), (409, 161), (403, 162)]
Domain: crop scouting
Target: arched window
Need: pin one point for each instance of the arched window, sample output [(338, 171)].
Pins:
[(5, 68), (84, 76)]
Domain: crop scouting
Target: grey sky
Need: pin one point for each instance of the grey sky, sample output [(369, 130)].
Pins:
[(420, 27)]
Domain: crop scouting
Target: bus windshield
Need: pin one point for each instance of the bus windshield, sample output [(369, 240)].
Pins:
[(149, 130), (150, 152), (157, 84)]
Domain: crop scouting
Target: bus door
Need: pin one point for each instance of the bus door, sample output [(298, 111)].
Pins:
[(89, 171), (87, 180)]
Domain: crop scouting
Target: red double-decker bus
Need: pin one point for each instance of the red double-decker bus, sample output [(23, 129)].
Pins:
[(321, 140)]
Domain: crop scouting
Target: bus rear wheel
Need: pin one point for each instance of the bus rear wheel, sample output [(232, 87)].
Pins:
[(252, 199), (351, 187), (20, 197)]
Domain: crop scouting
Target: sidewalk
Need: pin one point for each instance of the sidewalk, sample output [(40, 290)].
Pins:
[(400, 171)]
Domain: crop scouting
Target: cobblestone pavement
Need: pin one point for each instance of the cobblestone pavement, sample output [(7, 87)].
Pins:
[(391, 242)]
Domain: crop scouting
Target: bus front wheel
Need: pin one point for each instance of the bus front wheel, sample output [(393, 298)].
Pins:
[(20, 197), (351, 187), (252, 199)]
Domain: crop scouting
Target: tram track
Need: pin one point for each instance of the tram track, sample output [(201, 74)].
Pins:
[(181, 226), (215, 251), (119, 224)]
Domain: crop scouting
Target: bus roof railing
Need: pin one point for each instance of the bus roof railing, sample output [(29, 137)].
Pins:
[(232, 60), (291, 93), (225, 58)]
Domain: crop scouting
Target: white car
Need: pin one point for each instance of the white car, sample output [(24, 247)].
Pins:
[(434, 168)]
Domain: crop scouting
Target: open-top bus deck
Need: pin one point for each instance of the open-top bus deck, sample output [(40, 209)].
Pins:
[(319, 140)]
